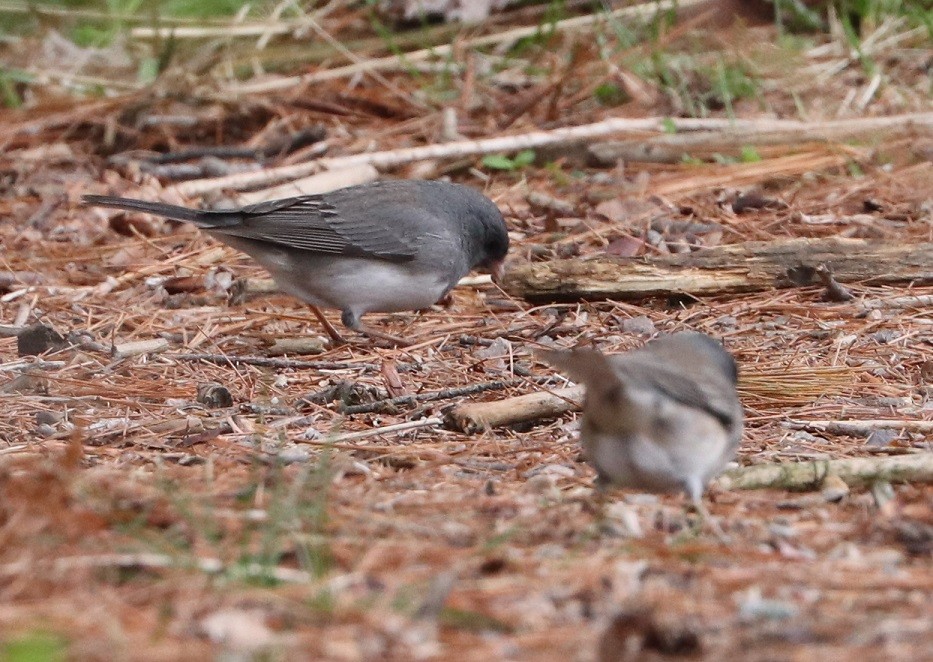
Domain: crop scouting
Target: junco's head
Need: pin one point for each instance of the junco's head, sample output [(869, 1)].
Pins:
[(661, 418), (383, 247)]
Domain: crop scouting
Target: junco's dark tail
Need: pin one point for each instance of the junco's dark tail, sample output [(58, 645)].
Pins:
[(173, 212), (581, 365), (605, 392)]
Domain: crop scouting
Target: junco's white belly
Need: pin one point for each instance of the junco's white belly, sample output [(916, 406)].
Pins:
[(362, 285), (681, 446)]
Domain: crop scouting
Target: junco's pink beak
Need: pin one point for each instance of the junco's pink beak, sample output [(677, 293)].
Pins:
[(497, 271)]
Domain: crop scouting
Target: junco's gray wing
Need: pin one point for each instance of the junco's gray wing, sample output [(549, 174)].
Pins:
[(313, 223), (692, 369), (305, 223)]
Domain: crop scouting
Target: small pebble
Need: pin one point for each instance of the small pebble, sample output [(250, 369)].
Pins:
[(882, 438), (640, 326), (214, 396), (834, 488), (293, 455), (48, 417), (753, 607), (39, 339)]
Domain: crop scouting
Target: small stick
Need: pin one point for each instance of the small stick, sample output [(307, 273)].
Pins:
[(25, 365), (323, 182), (476, 416), (390, 404), (861, 428), (920, 301), (151, 346), (267, 362), (834, 291), (809, 475), (536, 139), (244, 289), (446, 50), (8, 331), (210, 566), (670, 148), (375, 432), (300, 345)]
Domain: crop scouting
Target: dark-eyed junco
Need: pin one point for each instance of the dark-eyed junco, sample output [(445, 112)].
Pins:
[(661, 418), (383, 247)]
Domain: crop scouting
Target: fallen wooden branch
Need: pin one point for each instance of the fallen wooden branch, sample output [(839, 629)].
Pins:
[(860, 428), (746, 267), (810, 475), (267, 362), (738, 175), (442, 51), (392, 405), (152, 561), (924, 301), (671, 148), (472, 417), (244, 289), (312, 176), (300, 346), (556, 137), (387, 429), (139, 347), (323, 182)]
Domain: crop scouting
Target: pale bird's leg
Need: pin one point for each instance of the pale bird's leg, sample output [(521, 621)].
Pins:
[(352, 321), (695, 491), (600, 487), (388, 337), (329, 328)]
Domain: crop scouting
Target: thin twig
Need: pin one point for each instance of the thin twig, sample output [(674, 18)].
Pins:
[(444, 50), (388, 429), (537, 139), (148, 560), (861, 428), (267, 362), (389, 404)]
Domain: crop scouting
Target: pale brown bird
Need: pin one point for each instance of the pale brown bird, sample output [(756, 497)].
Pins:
[(662, 418)]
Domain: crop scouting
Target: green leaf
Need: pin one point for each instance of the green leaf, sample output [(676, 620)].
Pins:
[(35, 647), (524, 158), (148, 70), (669, 125), (750, 154), (610, 94), (8, 94), (498, 162), (472, 621)]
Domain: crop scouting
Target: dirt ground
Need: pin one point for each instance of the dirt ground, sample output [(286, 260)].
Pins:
[(204, 498)]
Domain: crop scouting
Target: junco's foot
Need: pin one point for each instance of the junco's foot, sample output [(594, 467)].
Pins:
[(661, 418), (382, 247)]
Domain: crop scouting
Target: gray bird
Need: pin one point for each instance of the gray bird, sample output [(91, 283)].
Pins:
[(382, 247), (662, 418)]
